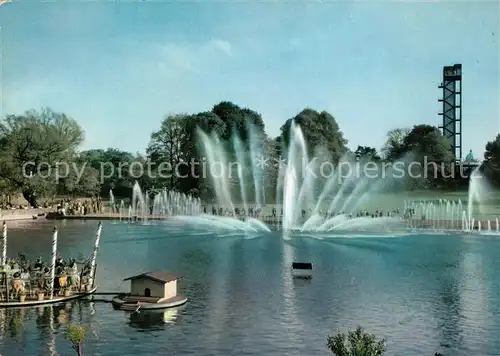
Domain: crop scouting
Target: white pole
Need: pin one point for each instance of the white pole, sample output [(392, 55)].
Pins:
[(3, 261), (53, 263), (94, 254)]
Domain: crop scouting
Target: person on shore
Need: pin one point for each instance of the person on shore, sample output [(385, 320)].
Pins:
[(17, 283), (73, 272), (25, 275), (59, 262), (38, 264)]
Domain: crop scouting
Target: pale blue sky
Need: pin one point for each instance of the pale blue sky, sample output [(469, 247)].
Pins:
[(119, 67)]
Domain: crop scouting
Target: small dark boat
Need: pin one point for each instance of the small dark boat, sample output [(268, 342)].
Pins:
[(302, 270)]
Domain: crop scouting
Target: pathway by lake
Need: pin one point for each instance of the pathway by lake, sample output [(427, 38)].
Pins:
[(425, 294)]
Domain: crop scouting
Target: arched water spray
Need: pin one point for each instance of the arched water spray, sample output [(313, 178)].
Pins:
[(238, 148), (217, 161), (256, 153), (297, 160)]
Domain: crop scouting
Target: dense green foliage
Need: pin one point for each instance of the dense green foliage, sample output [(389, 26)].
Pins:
[(321, 132), (50, 141), (356, 343), (492, 160), (43, 139), (76, 335)]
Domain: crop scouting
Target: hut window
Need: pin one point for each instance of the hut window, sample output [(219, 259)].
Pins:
[(147, 292)]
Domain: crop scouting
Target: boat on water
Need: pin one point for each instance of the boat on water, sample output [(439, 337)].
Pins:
[(16, 303), (23, 284), (150, 291), (302, 270)]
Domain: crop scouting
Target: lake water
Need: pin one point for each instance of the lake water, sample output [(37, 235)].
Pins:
[(424, 294)]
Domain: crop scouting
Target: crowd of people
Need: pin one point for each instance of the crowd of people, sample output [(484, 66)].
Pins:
[(80, 207), (258, 212)]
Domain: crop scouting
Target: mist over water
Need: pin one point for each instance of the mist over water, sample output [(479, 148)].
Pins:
[(479, 190), (309, 200)]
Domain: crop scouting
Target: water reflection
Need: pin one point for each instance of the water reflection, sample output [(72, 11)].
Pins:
[(289, 296), (47, 323), (476, 319), (154, 319), (461, 299), (301, 282), (418, 291), (449, 310)]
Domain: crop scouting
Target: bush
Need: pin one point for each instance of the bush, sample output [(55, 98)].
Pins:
[(76, 334), (356, 343)]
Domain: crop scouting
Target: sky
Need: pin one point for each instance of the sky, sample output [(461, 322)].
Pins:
[(119, 67)]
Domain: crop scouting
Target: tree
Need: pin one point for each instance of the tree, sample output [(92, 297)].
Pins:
[(394, 148), (31, 147), (492, 152), (165, 148), (426, 145), (113, 167), (176, 153), (367, 152), (492, 160), (207, 122), (238, 120), (357, 343), (272, 150), (195, 181), (76, 335), (79, 179), (320, 130)]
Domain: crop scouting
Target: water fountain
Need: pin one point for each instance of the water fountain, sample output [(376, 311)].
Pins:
[(163, 204), (303, 208), (112, 206), (310, 201), (445, 215)]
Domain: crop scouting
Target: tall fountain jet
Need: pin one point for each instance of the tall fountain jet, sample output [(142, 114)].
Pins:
[(219, 169), (257, 152), (138, 204), (478, 191), (296, 192), (165, 203), (242, 174), (112, 205)]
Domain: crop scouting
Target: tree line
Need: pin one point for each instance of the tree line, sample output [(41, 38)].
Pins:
[(50, 137)]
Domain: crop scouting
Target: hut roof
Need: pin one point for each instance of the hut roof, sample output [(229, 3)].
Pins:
[(158, 276)]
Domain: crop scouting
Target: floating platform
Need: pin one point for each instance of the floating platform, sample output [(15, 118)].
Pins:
[(54, 300), (129, 302)]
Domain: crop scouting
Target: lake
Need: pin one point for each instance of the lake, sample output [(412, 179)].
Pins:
[(423, 293)]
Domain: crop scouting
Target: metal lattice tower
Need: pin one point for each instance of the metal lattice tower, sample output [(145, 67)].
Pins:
[(452, 108)]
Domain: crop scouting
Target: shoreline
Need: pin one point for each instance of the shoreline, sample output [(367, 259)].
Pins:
[(44, 214), (273, 221), (22, 214)]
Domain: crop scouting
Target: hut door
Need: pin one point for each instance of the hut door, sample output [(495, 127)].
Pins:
[(147, 292)]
